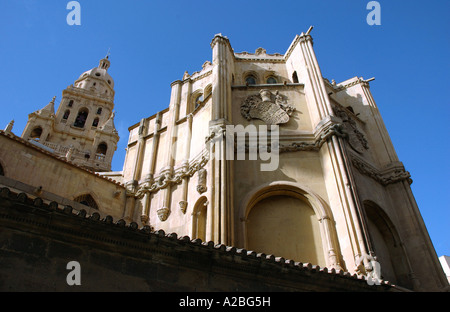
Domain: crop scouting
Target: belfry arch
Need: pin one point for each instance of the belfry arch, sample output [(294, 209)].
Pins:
[(301, 221)]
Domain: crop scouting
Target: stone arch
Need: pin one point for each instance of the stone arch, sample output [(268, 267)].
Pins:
[(294, 77), (87, 200), (36, 133), (197, 99), (250, 74), (208, 91), (81, 118), (387, 246), (102, 148), (327, 248), (200, 218)]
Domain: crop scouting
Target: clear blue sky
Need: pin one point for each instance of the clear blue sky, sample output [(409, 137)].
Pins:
[(154, 42)]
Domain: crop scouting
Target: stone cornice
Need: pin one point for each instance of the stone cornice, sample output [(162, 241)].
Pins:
[(166, 178), (385, 177), (93, 97)]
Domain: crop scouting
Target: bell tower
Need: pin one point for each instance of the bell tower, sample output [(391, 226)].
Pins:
[(82, 129)]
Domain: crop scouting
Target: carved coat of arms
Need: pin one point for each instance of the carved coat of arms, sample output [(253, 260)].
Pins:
[(273, 109)]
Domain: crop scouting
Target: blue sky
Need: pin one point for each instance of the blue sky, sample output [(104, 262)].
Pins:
[(154, 42)]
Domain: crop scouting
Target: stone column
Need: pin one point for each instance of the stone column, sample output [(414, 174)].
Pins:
[(222, 186), (167, 170), (336, 153), (183, 203)]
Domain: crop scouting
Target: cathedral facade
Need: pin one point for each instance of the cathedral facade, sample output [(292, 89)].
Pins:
[(257, 151)]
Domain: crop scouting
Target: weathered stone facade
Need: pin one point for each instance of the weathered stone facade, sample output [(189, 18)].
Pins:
[(256, 154)]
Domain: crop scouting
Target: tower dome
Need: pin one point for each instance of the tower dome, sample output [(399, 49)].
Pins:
[(97, 79)]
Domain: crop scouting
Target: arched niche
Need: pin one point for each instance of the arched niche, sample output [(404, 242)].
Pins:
[(200, 218), (291, 215), (387, 246)]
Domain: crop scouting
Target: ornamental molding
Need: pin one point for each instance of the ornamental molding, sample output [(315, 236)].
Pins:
[(166, 177), (386, 177)]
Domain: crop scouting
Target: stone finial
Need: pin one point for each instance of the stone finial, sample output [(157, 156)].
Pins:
[(186, 75), (69, 153), (9, 127), (260, 51)]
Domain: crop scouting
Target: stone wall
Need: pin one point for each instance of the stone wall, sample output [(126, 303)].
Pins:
[(37, 241)]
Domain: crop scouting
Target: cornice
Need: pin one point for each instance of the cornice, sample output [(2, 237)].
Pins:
[(384, 177)]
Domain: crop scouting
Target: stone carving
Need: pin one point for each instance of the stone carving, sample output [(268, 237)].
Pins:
[(384, 179), (163, 213), (165, 178), (273, 109), (183, 205), (201, 187), (356, 138)]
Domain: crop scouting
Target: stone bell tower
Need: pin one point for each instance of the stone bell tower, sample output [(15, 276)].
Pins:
[(82, 129)]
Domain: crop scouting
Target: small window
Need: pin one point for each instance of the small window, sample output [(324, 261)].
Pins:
[(294, 77), (250, 80), (95, 122), (86, 200), (198, 100), (99, 111), (97, 74), (81, 118), (66, 114), (70, 103), (271, 80)]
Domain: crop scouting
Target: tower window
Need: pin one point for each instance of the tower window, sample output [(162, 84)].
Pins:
[(102, 148), (99, 111), (36, 133), (70, 103), (66, 114), (271, 80), (81, 118), (95, 123)]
